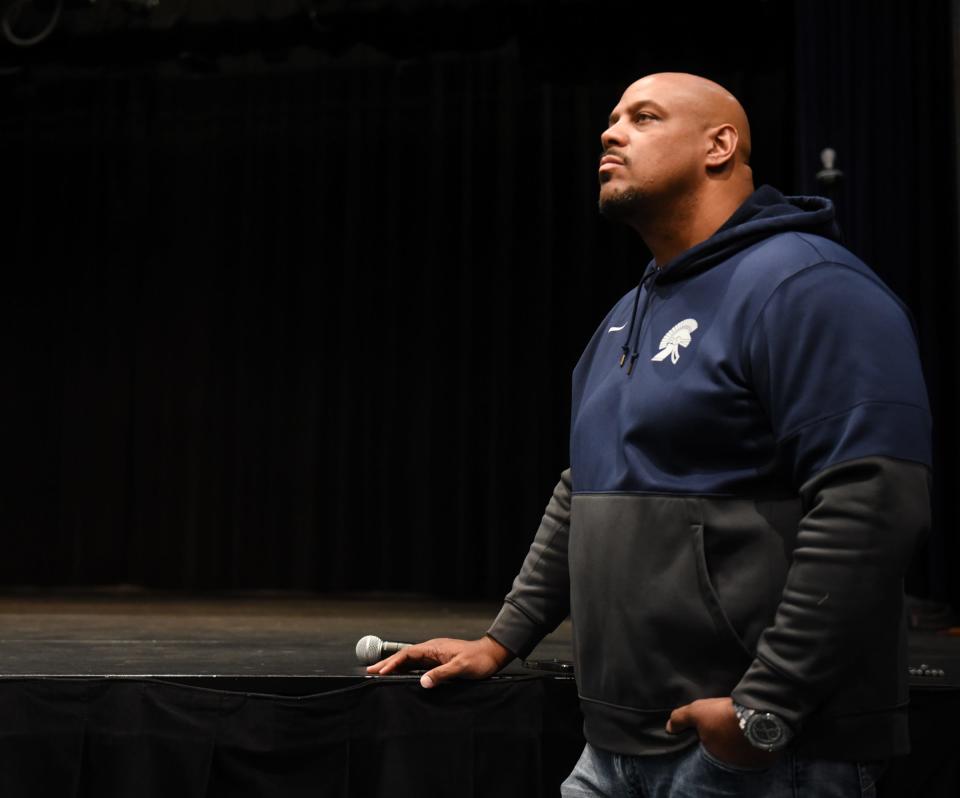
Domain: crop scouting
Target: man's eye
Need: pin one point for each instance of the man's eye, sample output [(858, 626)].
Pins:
[(644, 117)]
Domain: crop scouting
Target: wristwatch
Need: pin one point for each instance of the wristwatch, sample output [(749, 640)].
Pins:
[(763, 730)]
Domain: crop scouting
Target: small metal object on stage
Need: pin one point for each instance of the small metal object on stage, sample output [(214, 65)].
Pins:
[(933, 663), (551, 665), (372, 649), (924, 671)]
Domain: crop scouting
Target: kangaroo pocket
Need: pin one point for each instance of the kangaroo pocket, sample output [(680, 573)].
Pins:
[(650, 631)]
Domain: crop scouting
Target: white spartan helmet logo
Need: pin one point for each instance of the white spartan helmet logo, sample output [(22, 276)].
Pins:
[(679, 335)]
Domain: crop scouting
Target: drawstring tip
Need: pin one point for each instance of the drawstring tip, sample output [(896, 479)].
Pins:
[(633, 359), (623, 359)]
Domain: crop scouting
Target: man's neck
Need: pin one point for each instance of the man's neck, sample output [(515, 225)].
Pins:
[(688, 223)]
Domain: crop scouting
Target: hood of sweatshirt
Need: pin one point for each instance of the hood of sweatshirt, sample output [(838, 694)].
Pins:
[(764, 213)]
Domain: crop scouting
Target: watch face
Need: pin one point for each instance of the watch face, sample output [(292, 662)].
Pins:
[(765, 730)]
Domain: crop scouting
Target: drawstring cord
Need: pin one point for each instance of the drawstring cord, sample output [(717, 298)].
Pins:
[(630, 347), (625, 349)]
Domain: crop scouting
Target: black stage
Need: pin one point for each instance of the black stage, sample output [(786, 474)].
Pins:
[(274, 644), (134, 695)]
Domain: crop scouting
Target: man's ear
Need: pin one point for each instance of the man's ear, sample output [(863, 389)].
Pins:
[(722, 146)]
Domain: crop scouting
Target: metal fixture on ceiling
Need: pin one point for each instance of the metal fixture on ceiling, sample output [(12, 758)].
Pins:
[(25, 23)]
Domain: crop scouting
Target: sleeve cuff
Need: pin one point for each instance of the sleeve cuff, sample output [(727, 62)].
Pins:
[(765, 689), (515, 631)]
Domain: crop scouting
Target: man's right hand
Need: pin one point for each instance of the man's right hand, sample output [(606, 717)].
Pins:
[(466, 659)]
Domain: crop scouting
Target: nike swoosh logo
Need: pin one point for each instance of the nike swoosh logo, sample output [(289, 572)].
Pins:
[(617, 329)]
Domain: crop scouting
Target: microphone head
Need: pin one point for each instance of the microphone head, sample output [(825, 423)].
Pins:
[(368, 649)]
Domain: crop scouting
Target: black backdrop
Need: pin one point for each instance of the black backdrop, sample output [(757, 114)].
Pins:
[(294, 303)]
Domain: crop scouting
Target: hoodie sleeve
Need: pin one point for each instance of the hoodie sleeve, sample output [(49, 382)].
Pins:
[(540, 597), (835, 364), (853, 545)]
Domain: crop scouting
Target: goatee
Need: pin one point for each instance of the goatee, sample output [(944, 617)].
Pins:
[(622, 206)]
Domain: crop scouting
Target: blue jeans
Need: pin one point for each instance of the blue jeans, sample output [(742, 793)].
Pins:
[(695, 773)]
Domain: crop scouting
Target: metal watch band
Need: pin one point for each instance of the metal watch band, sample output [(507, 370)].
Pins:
[(763, 730)]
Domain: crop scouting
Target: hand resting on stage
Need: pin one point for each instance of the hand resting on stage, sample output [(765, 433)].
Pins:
[(466, 659)]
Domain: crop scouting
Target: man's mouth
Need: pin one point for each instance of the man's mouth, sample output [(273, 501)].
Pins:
[(610, 161), (610, 158)]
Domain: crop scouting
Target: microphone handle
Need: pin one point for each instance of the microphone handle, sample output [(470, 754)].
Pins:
[(388, 648)]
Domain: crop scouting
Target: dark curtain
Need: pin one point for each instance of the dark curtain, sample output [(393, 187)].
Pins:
[(284, 329), (875, 83), (504, 738), (125, 737), (295, 305)]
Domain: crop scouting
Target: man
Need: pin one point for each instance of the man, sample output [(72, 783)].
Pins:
[(750, 445)]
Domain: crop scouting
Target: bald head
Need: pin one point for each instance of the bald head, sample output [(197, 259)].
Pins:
[(702, 99)]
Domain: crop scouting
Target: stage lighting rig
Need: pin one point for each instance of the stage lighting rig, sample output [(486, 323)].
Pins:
[(25, 23)]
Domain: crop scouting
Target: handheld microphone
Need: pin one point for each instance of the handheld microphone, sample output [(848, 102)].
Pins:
[(372, 649)]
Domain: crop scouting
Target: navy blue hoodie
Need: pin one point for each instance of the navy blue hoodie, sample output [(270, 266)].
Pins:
[(794, 356), (750, 443)]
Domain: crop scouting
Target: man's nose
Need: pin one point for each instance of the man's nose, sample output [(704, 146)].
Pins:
[(612, 136)]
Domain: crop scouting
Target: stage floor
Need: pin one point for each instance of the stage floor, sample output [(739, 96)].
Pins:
[(272, 643), (93, 685), (283, 643)]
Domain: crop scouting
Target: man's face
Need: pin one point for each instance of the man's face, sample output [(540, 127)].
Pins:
[(652, 149)]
